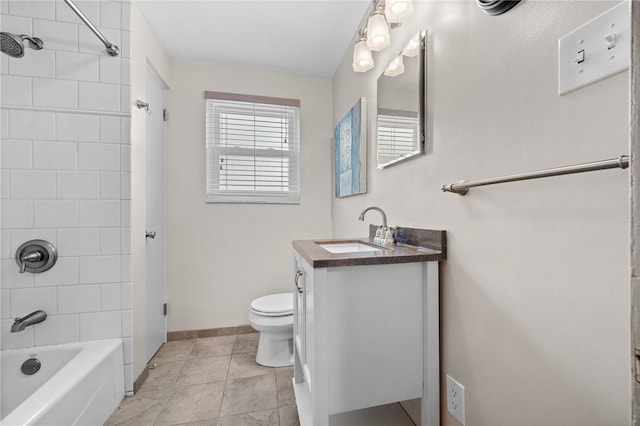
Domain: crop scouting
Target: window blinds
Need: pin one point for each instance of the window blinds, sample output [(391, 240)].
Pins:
[(253, 147), (397, 135)]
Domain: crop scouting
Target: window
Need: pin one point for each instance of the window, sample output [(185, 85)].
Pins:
[(397, 134), (253, 149)]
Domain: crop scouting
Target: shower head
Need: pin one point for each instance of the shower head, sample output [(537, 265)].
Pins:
[(13, 45)]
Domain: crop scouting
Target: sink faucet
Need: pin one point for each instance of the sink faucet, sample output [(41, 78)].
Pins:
[(384, 234), (19, 324)]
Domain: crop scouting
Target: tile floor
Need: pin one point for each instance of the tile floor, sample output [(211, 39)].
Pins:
[(211, 381)]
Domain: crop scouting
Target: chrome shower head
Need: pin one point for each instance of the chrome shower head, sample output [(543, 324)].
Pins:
[(13, 45)]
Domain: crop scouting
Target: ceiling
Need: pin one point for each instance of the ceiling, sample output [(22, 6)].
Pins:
[(305, 37)]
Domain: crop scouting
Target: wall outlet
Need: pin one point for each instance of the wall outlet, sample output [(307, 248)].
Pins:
[(455, 399)]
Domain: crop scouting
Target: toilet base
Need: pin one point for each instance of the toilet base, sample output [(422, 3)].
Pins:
[(275, 349)]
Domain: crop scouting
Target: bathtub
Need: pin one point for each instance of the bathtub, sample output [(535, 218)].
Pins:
[(78, 383)]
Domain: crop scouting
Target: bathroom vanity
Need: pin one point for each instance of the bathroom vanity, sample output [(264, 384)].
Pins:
[(366, 325)]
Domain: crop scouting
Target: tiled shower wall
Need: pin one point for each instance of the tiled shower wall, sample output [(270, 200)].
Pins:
[(65, 156)]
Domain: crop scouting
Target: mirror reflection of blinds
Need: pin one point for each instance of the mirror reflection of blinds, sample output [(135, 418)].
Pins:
[(252, 151), (396, 135)]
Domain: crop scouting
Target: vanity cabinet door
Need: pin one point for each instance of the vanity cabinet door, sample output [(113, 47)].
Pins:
[(299, 309)]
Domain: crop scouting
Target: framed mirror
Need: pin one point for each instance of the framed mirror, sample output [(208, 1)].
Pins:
[(402, 104)]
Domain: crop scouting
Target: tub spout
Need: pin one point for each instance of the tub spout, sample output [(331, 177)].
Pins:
[(19, 324)]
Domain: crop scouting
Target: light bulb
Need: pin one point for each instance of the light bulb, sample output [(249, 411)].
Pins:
[(362, 58), (378, 32), (395, 68), (398, 11)]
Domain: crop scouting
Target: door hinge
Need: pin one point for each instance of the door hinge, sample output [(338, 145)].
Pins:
[(637, 358), (165, 115), (165, 308)]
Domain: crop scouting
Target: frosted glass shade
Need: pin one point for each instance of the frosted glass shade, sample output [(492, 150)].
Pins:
[(411, 49), (378, 32), (396, 67), (362, 58), (398, 11)]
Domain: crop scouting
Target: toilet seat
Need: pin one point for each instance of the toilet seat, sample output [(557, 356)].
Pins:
[(273, 305)]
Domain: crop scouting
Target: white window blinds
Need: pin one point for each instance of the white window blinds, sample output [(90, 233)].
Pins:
[(253, 149), (397, 134)]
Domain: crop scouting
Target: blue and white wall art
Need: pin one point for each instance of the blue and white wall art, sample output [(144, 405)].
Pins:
[(351, 152)]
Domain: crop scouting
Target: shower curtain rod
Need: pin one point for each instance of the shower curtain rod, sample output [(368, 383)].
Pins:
[(112, 49), (462, 187)]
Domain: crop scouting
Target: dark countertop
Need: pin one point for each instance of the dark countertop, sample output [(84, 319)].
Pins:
[(433, 249)]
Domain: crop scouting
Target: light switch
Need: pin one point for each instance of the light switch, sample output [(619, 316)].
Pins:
[(596, 50)]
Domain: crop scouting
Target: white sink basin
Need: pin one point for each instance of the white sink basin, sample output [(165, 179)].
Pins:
[(349, 248)]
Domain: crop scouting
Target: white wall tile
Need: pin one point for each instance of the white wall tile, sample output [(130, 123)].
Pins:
[(33, 184), (99, 269), (99, 96), (125, 130), (26, 300), (125, 212), (125, 99), (127, 346), (90, 8), (109, 129), (57, 35), (16, 154), (127, 323), (125, 185), (125, 79), (31, 125), (4, 7), (78, 298), (9, 340), (126, 16), (21, 236), (58, 329), (81, 185), (109, 185), (10, 275), (110, 241), (126, 240), (89, 43), (110, 69), (34, 63), (15, 90), (48, 92), (4, 124), (126, 295), (16, 24), (99, 157), (77, 127), (125, 47), (79, 242), (55, 155), (128, 379), (99, 213), (100, 325), (33, 8), (4, 65), (5, 304), (5, 244), (65, 272), (5, 183), (110, 14), (126, 266), (16, 213), (111, 297), (55, 213), (77, 66)]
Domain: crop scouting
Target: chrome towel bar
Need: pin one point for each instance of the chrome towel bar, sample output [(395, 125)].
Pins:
[(112, 49), (462, 187)]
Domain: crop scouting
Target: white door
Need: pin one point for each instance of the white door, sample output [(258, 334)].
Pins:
[(156, 231)]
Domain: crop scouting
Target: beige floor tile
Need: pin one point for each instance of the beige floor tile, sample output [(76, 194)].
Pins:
[(249, 394), (208, 422), (204, 370), (244, 365), (289, 416), (174, 351), (192, 403), (284, 386), (134, 411), (246, 343), (164, 374), (258, 418), (213, 346)]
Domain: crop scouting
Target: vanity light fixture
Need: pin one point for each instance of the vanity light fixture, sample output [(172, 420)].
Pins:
[(378, 30), (362, 58), (397, 11), (395, 68)]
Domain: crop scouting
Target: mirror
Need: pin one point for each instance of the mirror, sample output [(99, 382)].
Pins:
[(402, 104)]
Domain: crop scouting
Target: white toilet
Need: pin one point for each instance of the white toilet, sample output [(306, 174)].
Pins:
[(272, 316)]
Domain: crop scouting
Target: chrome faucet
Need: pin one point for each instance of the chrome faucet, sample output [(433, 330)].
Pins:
[(32, 256), (384, 234), (19, 324)]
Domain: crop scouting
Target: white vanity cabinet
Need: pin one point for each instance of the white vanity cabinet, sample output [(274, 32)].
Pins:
[(365, 335)]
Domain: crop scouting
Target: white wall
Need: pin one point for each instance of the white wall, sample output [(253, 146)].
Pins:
[(221, 256), (66, 173), (535, 291)]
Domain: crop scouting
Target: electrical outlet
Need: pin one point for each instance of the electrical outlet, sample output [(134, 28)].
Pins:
[(455, 399)]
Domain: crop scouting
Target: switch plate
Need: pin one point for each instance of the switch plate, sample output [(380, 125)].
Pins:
[(606, 43), (455, 399)]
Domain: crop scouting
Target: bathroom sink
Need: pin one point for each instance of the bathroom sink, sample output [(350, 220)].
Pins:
[(350, 247)]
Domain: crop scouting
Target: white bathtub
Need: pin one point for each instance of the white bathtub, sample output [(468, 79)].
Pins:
[(77, 384)]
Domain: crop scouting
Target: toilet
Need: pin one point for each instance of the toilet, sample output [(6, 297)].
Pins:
[(272, 316)]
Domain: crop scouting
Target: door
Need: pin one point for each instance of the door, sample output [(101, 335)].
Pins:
[(155, 217)]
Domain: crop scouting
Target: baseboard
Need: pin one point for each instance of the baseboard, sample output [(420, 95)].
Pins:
[(210, 332), (137, 384)]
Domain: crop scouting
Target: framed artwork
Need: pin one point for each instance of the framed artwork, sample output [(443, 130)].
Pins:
[(351, 152)]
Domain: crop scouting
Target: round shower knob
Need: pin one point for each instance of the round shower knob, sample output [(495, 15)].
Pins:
[(36, 256)]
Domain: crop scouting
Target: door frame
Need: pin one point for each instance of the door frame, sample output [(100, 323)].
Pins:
[(635, 210)]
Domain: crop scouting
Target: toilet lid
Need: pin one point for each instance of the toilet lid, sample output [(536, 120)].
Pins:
[(274, 304)]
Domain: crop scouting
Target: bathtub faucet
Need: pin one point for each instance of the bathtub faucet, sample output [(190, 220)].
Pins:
[(19, 324)]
